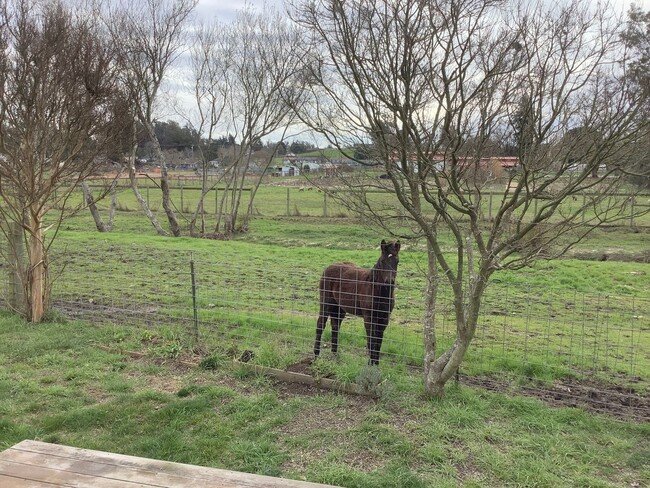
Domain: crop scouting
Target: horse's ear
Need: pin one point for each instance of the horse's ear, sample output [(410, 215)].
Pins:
[(397, 246), (383, 245)]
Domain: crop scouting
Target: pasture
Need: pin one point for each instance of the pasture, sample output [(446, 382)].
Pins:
[(123, 336)]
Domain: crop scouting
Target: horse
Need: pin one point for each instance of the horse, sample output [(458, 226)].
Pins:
[(369, 293)]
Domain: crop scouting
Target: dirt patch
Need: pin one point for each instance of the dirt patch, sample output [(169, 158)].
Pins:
[(616, 401), (303, 366), (621, 256)]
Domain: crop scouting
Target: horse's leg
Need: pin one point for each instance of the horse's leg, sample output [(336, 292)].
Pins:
[(377, 339), (320, 326), (368, 326), (335, 321)]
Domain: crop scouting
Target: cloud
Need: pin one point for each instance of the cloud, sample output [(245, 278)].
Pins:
[(226, 9)]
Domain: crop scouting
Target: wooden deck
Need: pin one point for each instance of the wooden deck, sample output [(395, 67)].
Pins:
[(32, 464)]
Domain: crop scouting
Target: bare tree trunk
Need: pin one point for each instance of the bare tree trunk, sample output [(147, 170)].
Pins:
[(256, 187), (430, 339), (238, 190), (440, 370), (134, 186), (94, 211), (204, 192), (224, 214), (200, 208), (164, 183), (199, 211), (143, 204), (37, 269)]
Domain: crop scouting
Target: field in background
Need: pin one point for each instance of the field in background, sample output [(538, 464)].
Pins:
[(317, 196)]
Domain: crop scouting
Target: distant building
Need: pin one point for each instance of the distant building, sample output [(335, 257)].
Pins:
[(286, 170)]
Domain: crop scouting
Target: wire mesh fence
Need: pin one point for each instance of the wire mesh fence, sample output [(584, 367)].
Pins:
[(552, 341)]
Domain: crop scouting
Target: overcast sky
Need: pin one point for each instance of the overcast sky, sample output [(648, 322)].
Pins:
[(225, 9)]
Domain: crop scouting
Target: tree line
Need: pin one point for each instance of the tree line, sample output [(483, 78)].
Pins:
[(424, 90)]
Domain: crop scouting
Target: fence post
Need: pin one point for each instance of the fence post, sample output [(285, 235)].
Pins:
[(632, 211), (325, 203), (195, 330), (148, 196), (182, 206), (288, 209), (490, 208)]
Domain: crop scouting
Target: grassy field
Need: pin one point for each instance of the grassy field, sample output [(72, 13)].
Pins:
[(300, 196), (558, 321), (57, 385)]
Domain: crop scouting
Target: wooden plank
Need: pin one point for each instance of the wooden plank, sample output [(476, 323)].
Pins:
[(55, 477), (152, 471), (99, 470), (305, 379), (7, 481)]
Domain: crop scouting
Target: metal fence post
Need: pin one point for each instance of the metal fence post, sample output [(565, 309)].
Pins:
[(195, 330)]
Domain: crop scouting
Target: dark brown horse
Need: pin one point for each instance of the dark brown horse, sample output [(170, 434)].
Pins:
[(369, 293)]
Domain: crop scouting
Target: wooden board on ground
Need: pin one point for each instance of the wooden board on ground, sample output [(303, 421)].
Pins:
[(33, 464)]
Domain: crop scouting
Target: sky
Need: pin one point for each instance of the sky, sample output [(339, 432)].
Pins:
[(225, 9)]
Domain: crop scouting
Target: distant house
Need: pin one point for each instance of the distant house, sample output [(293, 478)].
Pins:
[(286, 170), (506, 162)]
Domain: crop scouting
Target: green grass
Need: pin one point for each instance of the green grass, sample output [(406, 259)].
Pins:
[(555, 320), (56, 385)]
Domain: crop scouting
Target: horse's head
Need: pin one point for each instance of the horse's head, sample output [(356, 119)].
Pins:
[(388, 261)]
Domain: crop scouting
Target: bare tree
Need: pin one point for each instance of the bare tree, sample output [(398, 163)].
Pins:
[(57, 81), (149, 36), (209, 64), (433, 90), (246, 81), (91, 201)]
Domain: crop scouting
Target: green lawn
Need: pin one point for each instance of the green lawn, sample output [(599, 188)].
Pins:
[(557, 320), (58, 385)]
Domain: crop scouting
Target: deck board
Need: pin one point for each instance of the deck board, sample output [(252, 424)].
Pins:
[(39, 464)]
